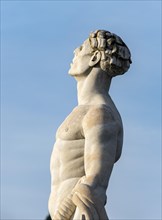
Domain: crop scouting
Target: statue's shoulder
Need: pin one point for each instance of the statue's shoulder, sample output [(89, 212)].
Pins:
[(97, 115), (101, 110), (93, 110)]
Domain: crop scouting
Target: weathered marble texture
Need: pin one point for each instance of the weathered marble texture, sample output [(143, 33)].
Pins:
[(89, 141)]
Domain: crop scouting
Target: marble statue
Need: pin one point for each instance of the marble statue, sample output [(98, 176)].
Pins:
[(90, 139)]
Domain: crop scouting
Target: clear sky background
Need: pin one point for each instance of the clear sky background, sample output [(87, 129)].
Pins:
[(37, 43)]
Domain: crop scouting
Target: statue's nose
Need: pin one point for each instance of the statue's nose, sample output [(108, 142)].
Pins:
[(76, 51)]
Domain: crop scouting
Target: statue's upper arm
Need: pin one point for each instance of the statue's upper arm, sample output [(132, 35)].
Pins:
[(99, 119), (100, 132)]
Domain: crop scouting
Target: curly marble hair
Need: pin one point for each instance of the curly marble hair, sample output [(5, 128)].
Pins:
[(115, 55)]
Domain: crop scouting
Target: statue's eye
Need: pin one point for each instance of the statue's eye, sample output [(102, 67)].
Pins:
[(80, 48)]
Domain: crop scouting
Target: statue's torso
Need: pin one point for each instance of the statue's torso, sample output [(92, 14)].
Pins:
[(67, 159)]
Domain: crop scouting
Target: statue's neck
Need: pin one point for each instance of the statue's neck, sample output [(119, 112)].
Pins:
[(93, 89)]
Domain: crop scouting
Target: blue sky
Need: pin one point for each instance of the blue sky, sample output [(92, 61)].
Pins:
[(37, 43)]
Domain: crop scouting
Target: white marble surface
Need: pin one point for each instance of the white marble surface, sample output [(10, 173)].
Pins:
[(89, 141)]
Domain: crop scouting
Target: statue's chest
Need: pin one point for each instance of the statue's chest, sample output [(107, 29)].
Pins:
[(71, 128)]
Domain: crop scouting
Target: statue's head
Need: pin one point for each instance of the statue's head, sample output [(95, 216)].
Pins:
[(104, 50)]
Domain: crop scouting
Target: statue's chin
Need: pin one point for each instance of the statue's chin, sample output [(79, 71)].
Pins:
[(72, 73)]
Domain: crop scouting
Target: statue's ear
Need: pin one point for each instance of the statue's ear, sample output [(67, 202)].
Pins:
[(95, 58)]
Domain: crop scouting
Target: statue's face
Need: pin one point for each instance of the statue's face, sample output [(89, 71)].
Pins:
[(80, 63)]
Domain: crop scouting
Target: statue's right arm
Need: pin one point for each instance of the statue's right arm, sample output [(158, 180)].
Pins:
[(101, 134), (65, 210)]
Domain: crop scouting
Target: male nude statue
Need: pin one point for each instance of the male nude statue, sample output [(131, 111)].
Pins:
[(89, 141)]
